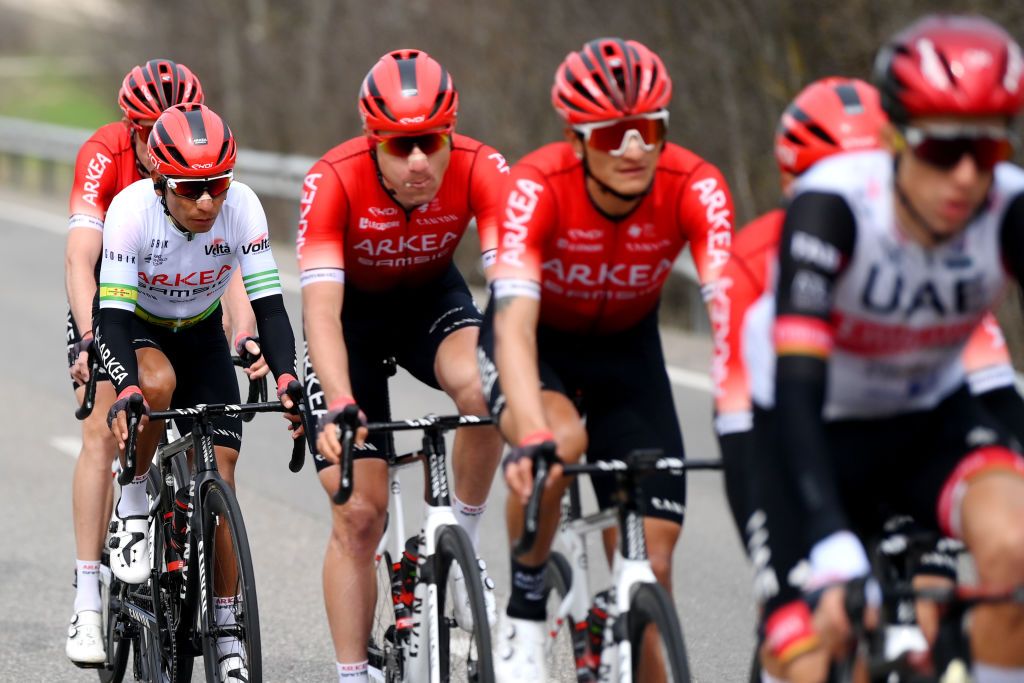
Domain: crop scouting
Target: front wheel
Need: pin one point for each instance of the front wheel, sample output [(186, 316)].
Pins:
[(116, 643), (655, 637), (229, 614), (464, 656), (566, 648)]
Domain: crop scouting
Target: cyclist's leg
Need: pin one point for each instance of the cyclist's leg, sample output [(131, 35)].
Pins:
[(92, 489)]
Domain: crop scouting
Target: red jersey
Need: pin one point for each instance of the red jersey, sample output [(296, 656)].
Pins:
[(106, 164), (594, 273), (352, 230), (744, 279)]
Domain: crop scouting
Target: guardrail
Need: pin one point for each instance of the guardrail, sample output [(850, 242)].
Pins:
[(269, 174)]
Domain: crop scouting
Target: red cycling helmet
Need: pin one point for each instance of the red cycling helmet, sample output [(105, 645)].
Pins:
[(950, 65), (149, 89), (610, 78), (829, 116), (191, 141), (407, 91)]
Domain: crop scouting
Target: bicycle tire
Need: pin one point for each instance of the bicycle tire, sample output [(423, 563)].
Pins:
[(464, 656), (652, 606), (560, 649), (383, 650), (175, 662), (117, 648), (221, 510)]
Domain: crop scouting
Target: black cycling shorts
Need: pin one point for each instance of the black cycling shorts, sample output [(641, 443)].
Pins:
[(73, 337), (203, 371), (620, 385), (407, 325)]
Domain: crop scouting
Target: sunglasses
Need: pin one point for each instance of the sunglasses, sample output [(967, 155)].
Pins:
[(195, 188), (613, 137), (403, 145), (944, 147)]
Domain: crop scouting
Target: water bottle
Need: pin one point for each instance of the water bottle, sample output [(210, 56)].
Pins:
[(181, 511), (597, 617), (404, 583)]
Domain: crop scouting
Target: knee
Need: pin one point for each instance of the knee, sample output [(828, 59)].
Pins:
[(357, 527), (468, 395), (999, 555), (227, 458), (158, 385), (661, 565), (97, 441), (571, 437)]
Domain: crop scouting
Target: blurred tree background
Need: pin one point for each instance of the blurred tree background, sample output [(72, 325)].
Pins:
[(286, 75)]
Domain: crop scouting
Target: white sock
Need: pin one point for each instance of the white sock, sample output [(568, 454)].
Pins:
[(768, 678), (224, 614), (469, 517), (87, 595), (133, 501), (986, 673), (354, 672)]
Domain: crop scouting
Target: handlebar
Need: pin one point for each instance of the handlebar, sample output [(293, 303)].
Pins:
[(85, 410), (257, 387), (642, 462), (134, 414), (348, 422)]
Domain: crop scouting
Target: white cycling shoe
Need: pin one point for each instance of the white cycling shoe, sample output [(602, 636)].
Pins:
[(85, 639), (232, 669), (460, 596), (519, 654), (129, 548)]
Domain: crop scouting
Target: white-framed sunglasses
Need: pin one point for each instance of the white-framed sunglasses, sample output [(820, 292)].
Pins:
[(195, 188), (613, 137)]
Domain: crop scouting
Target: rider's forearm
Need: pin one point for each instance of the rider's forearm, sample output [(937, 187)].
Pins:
[(276, 338), (113, 339), (321, 305), (238, 310), (515, 351), (80, 282)]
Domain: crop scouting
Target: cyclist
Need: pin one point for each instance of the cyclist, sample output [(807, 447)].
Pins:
[(888, 261), (830, 116), (592, 227), (380, 218), (171, 245), (110, 160)]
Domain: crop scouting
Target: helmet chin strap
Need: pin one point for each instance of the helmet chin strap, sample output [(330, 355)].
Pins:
[(185, 232), (609, 190)]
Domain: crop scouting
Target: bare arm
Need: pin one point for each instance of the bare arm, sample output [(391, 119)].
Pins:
[(321, 305), (515, 342), (82, 252)]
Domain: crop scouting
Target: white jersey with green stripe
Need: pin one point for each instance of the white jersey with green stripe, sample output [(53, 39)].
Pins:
[(176, 279)]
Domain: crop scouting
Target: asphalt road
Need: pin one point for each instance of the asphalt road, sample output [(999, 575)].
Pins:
[(286, 514)]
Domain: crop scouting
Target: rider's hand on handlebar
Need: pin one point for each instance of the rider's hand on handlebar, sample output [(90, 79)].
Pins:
[(293, 417), (79, 369), (248, 349), (117, 417), (328, 438), (518, 465)]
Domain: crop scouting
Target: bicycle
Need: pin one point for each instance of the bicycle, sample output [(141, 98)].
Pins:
[(620, 616), (171, 618), (415, 636)]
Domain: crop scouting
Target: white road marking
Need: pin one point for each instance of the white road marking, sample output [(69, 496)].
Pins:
[(68, 445), (682, 377)]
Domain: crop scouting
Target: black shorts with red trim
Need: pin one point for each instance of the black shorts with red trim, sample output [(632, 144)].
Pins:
[(620, 385)]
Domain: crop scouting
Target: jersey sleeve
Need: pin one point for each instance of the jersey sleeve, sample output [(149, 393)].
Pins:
[(94, 186), (255, 258), (706, 221), (735, 292), (817, 241), (528, 217), (119, 270), (323, 215), (486, 184)]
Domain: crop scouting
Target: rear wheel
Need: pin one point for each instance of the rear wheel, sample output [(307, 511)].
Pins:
[(229, 619), (464, 656), (655, 637), (560, 652)]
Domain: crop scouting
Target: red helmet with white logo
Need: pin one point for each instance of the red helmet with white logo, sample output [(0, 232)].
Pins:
[(191, 141), (148, 90), (610, 78), (829, 116), (407, 91), (950, 65)]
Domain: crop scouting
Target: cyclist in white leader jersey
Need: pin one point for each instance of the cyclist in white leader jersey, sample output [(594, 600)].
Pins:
[(887, 263), (170, 247)]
